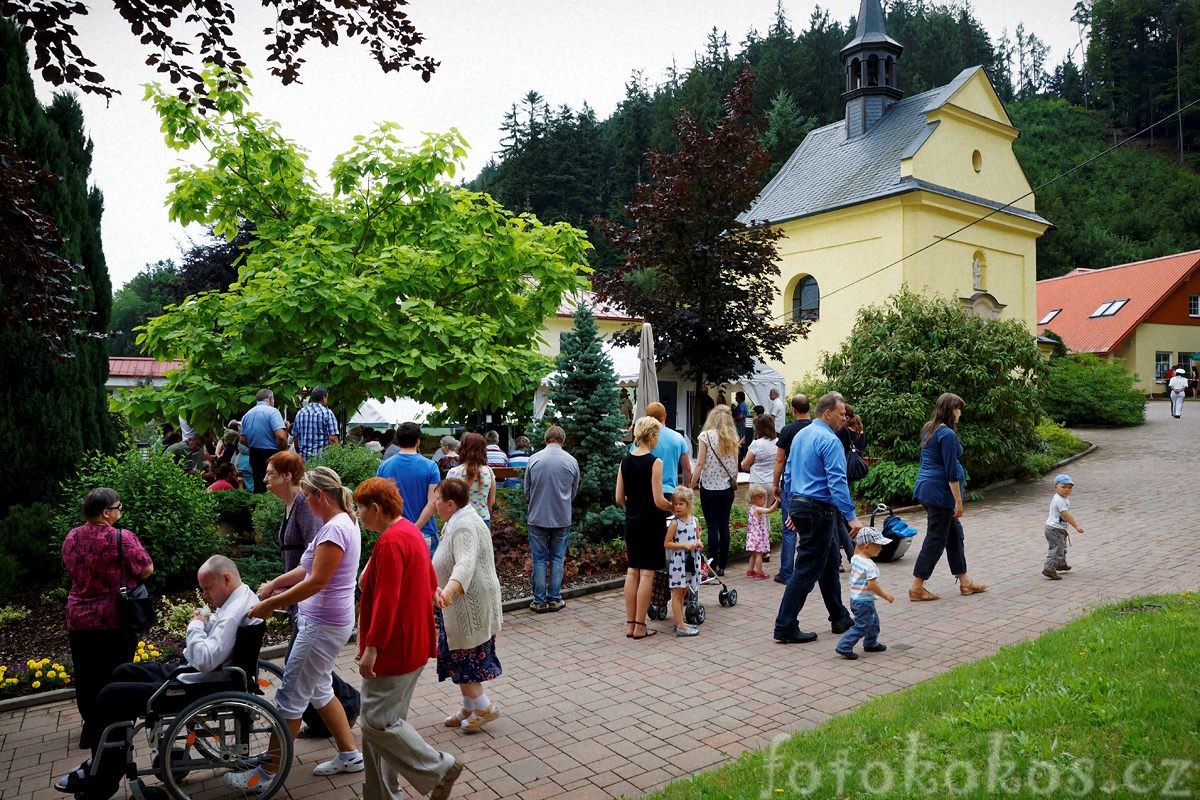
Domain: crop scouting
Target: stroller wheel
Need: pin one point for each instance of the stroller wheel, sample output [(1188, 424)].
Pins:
[(690, 615), (732, 598), (657, 612), (723, 598), (700, 615)]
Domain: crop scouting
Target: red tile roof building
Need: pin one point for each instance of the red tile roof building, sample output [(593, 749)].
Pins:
[(1146, 313)]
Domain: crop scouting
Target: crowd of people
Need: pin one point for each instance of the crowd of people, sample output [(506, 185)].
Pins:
[(806, 468), (435, 594)]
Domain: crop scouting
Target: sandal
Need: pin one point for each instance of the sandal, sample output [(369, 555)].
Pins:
[(630, 622), (479, 718), (649, 631), (921, 594), (971, 587), (454, 720)]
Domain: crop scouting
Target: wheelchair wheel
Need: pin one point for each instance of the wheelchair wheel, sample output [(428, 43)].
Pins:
[(270, 678), (223, 733)]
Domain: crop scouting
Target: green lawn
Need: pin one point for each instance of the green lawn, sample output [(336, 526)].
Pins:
[(1108, 706)]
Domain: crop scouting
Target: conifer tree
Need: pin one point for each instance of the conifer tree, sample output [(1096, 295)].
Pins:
[(583, 394), (52, 405)]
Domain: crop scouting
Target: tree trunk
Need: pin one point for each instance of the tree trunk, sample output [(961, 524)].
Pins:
[(698, 408)]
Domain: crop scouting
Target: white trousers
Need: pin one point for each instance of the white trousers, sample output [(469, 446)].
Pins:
[(391, 747), (1176, 403)]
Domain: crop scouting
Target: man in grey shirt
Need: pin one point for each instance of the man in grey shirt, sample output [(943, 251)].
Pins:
[(551, 481)]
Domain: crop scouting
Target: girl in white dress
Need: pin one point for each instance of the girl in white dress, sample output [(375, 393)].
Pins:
[(683, 558)]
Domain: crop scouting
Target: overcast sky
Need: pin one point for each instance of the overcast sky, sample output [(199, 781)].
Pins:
[(491, 54)]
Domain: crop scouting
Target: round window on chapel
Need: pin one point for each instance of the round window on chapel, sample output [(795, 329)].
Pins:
[(976, 161)]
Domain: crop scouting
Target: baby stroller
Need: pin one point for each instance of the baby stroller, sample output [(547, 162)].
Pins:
[(693, 609), (898, 533)]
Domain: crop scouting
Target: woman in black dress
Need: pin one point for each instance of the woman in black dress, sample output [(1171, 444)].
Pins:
[(639, 489)]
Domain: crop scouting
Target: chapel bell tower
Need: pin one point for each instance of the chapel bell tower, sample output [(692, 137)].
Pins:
[(870, 61)]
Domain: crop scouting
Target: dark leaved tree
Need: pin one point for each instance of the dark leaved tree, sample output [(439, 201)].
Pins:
[(380, 25), (703, 276)]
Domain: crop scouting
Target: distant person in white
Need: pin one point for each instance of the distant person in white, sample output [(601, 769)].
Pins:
[(1178, 386), (775, 409)]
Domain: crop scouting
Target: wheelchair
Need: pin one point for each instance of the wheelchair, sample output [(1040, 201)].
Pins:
[(198, 732)]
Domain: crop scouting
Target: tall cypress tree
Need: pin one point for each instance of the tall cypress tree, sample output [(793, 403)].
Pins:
[(52, 411)]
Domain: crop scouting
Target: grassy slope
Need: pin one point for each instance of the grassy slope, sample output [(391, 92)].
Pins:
[(1104, 707)]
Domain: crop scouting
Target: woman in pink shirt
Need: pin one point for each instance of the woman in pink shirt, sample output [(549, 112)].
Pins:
[(98, 642), (323, 585)]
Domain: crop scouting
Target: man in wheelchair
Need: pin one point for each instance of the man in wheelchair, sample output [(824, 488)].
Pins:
[(211, 637)]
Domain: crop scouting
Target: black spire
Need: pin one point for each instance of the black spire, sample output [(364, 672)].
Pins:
[(870, 61)]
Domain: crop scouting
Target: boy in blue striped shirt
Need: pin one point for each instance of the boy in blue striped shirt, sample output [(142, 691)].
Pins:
[(864, 585)]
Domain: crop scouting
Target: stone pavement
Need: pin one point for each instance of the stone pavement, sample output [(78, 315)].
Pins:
[(591, 714)]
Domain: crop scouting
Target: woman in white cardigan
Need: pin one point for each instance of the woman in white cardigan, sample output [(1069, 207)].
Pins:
[(468, 595)]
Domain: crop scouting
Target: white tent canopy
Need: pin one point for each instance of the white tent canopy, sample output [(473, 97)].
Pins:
[(391, 411), (758, 385)]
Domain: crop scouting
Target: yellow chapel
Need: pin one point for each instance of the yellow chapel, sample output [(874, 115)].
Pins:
[(880, 199)]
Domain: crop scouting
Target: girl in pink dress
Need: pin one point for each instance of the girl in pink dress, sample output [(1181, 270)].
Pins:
[(758, 530)]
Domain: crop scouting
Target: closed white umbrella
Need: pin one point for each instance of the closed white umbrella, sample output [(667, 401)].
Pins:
[(647, 390)]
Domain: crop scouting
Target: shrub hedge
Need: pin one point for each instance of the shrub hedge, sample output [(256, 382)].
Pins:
[(1083, 389), (169, 510)]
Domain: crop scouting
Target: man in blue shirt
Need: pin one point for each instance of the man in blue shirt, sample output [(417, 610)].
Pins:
[(264, 433), (672, 448), (815, 477), (415, 477)]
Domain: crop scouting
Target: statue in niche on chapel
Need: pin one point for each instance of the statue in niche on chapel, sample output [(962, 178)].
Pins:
[(977, 274)]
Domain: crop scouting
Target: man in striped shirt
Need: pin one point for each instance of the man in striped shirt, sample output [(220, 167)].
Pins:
[(315, 425)]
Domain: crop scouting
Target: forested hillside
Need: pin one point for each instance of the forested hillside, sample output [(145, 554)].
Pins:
[(565, 164)]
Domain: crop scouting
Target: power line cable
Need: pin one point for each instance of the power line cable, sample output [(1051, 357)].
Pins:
[(1009, 204)]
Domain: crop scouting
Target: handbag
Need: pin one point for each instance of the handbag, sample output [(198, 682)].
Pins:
[(733, 477), (856, 467), (135, 609)]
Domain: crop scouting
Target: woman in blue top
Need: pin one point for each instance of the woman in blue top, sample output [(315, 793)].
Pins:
[(939, 488)]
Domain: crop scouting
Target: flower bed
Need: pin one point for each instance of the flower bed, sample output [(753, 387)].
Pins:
[(35, 675)]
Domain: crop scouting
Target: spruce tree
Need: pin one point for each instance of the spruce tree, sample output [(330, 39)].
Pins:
[(51, 411), (584, 398)]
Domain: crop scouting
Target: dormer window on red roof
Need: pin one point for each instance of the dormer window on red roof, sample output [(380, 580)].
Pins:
[(1108, 308)]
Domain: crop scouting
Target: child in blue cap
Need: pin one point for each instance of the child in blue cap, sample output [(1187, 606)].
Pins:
[(864, 586), (1056, 528)]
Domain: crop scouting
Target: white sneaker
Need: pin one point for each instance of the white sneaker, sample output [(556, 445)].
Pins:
[(336, 765), (251, 781)]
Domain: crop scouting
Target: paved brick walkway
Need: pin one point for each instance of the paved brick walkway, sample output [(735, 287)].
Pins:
[(590, 714)]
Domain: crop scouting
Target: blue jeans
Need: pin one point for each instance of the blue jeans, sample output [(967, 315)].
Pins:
[(548, 545), (816, 564), (943, 534), (716, 504), (866, 626), (787, 553)]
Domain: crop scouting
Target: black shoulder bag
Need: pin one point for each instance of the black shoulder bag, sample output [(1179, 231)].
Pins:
[(856, 467), (134, 607)]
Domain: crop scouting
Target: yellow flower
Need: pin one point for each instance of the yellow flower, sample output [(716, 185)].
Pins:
[(141, 644), (36, 684), (66, 680), (37, 674), (51, 674), (30, 663)]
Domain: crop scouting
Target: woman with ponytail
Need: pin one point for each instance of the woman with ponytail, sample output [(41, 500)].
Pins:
[(473, 469), (323, 586)]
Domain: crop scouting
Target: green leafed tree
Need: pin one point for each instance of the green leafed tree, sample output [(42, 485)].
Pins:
[(584, 401), (902, 355), (393, 282)]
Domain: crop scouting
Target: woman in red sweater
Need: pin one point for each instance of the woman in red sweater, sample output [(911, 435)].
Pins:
[(395, 639)]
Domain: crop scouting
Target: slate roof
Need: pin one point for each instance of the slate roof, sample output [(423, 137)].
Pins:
[(828, 171), (1146, 284)]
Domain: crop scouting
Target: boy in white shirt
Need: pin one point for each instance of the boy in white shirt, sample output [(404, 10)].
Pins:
[(864, 585), (1056, 528)]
